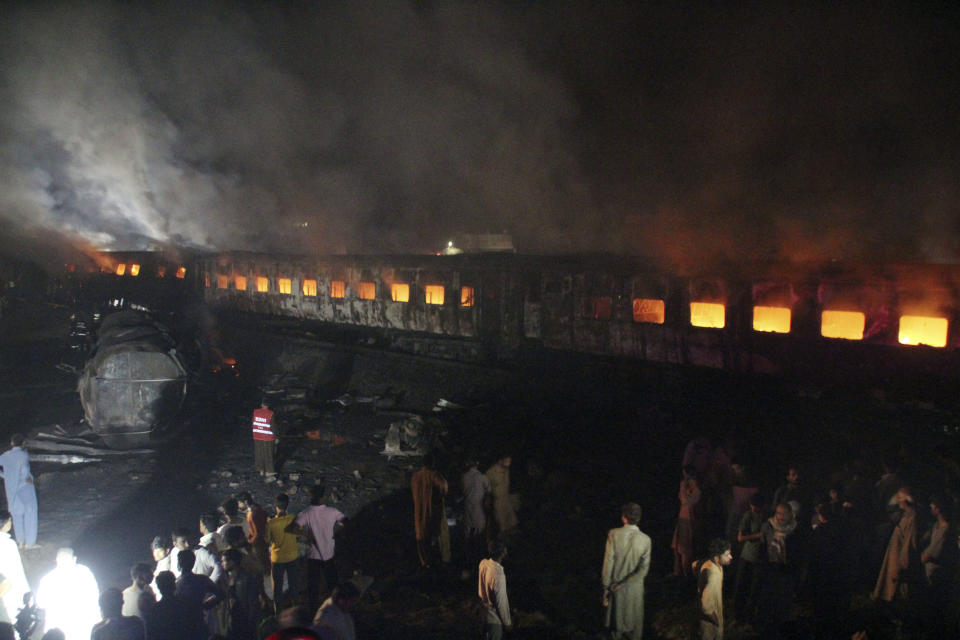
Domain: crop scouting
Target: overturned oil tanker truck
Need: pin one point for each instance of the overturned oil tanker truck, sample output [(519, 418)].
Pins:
[(134, 381)]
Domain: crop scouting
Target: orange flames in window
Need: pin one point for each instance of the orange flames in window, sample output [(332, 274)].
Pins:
[(649, 311), (434, 294), (923, 330), (847, 325), (772, 319), (711, 315), (400, 292)]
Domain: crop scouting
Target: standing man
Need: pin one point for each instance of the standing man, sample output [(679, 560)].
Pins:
[(256, 527), (626, 562), (21, 494), (492, 589), (428, 488), (264, 441), (476, 488), (319, 523), (284, 553), (710, 589), (13, 581), (68, 596), (115, 625), (142, 576), (504, 517)]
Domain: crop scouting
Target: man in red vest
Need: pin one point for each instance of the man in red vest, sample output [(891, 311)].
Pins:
[(264, 441)]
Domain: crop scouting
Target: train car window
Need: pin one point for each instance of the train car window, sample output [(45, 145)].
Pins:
[(649, 311), (121, 269), (285, 285), (161, 271), (466, 296), (310, 288), (222, 282), (134, 270), (434, 294), (182, 273), (338, 289), (366, 290), (263, 284), (598, 308), (711, 315), (240, 283), (400, 292), (847, 325), (923, 330), (771, 319)]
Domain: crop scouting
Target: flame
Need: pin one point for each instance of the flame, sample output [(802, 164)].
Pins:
[(182, 273), (121, 269), (711, 315), (285, 285), (847, 325), (434, 294), (263, 284), (649, 311), (773, 319), (466, 296), (240, 283), (338, 289), (366, 290), (134, 270), (223, 282), (923, 330), (400, 292), (310, 288)]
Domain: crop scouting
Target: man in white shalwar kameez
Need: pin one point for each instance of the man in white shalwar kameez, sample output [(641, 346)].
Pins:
[(625, 566), (13, 584), (21, 494), (69, 597)]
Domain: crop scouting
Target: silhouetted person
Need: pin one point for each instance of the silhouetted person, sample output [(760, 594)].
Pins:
[(115, 625)]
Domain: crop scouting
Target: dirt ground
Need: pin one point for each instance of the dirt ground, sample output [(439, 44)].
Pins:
[(586, 437)]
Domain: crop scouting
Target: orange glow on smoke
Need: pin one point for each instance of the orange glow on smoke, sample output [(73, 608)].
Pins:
[(366, 290), (434, 294), (923, 330), (263, 284), (337, 289), (842, 324), (466, 296), (285, 285), (134, 270), (400, 292), (121, 269), (774, 319), (649, 311), (711, 315), (310, 287)]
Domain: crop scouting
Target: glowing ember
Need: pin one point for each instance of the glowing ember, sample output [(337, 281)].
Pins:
[(400, 292), (337, 289), (240, 283), (434, 294), (649, 311), (285, 285), (366, 290), (223, 282), (121, 269), (842, 324), (774, 319), (134, 270), (466, 296), (263, 284), (711, 315), (310, 287), (923, 330)]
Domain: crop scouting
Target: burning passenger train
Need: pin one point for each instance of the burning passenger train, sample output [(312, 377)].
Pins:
[(868, 324)]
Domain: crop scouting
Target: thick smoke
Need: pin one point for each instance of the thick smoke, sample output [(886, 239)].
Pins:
[(688, 133)]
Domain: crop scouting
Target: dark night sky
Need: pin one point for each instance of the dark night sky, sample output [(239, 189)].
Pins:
[(683, 131)]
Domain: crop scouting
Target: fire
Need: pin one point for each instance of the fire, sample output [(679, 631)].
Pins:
[(121, 269), (434, 294), (285, 285), (366, 290), (711, 315), (337, 289), (923, 330), (134, 270), (773, 319), (842, 324), (400, 292), (263, 284), (161, 271), (181, 272), (310, 288), (649, 311), (222, 282), (240, 283), (466, 296)]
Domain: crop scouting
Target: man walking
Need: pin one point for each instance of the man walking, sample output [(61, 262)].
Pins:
[(710, 590), (21, 494), (492, 589), (264, 441), (626, 562)]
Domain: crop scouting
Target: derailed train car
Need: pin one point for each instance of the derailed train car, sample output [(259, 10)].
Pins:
[(862, 324)]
